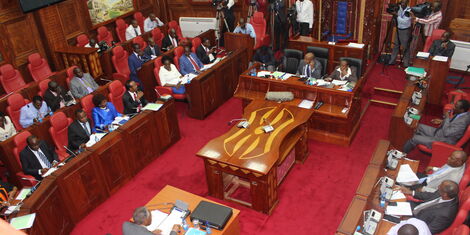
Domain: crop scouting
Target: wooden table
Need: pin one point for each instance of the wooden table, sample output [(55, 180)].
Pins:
[(437, 72), (171, 194), (256, 160)]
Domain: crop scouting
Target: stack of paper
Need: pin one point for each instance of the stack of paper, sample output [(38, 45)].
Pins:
[(94, 138), (402, 208), (157, 218), (263, 73), (396, 195), (187, 78), (49, 172), (339, 82), (23, 193), (306, 104), (422, 54), (152, 107), (23, 222), (406, 175), (175, 217), (414, 71), (440, 58)]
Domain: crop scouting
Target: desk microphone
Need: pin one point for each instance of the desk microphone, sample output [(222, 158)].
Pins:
[(268, 127), (106, 80), (70, 157), (243, 124)]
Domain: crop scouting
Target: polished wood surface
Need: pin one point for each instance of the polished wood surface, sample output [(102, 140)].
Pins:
[(234, 41), (437, 72), (171, 194)]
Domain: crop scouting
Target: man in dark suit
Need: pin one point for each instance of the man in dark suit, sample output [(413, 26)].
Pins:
[(79, 131), (189, 63), (343, 72), (205, 53), (133, 100), (37, 157), (443, 46), (310, 66), (438, 209), (170, 41), (152, 50), (142, 218), (136, 59), (55, 96)]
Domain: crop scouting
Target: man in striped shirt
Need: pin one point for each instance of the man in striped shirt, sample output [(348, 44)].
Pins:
[(433, 21)]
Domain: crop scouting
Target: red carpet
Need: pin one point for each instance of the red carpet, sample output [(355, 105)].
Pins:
[(313, 197)]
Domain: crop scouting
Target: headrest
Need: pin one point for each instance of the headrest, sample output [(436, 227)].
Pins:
[(258, 17), (119, 51), (70, 71), (15, 101), (7, 71), (20, 139), (179, 51), (44, 84), (103, 31), (35, 59), (138, 15), (116, 87), (120, 23), (59, 121)]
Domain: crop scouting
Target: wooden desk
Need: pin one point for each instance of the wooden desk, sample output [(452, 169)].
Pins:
[(257, 160), (237, 41), (171, 194), (437, 73)]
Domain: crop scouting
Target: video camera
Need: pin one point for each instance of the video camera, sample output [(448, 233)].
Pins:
[(422, 10), (392, 8)]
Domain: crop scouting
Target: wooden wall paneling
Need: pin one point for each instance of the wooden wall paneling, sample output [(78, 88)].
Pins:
[(371, 23)]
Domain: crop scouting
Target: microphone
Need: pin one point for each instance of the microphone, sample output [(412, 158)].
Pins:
[(106, 80), (237, 119), (70, 157), (267, 128), (24, 178), (243, 124)]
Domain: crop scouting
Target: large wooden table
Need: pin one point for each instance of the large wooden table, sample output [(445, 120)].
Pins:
[(171, 194), (437, 72), (256, 160)]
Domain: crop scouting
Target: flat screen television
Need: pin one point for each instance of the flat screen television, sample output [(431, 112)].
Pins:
[(31, 5)]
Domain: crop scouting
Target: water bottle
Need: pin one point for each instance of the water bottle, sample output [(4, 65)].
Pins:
[(208, 228), (382, 200), (185, 225), (196, 223), (253, 72)]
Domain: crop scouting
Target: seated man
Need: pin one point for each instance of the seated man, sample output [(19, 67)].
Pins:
[(443, 46), (152, 50), (37, 157), (343, 72), (79, 131), (170, 76), (245, 28), (449, 131), (82, 84), (310, 67), (133, 30), (410, 226), (92, 43), (205, 52), (152, 22), (265, 55), (133, 100), (103, 113), (170, 41), (438, 209), (33, 112), (189, 63), (56, 97), (135, 61), (142, 217)]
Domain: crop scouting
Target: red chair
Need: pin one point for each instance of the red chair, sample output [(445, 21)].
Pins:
[(436, 34), (464, 207), (453, 97), (20, 143), (105, 35), (70, 75), (157, 36), (15, 102), (140, 20), (162, 90), (461, 230), (59, 133), (178, 53), (11, 78), (464, 180), (121, 65), (174, 25), (121, 27), (116, 91), (87, 105), (196, 42), (82, 40), (43, 86), (139, 40), (38, 67), (259, 24)]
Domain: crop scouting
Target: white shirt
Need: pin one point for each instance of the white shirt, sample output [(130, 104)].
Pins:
[(211, 57), (149, 24), (230, 4), (130, 32), (96, 45), (169, 78), (86, 126), (305, 12), (419, 224), (345, 76), (36, 153), (8, 130), (173, 41), (431, 23)]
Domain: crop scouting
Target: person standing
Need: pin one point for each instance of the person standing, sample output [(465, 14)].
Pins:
[(280, 24), (403, 35), (305, 14), (433, 21)]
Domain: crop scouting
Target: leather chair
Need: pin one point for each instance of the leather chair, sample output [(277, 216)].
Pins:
[(19, 142), (464, 207), (43, 86), (11, 78), (178, 53), (70, 75), (321, 54), (356, 63), (461, 230), (259, 24), (38, 67), (196, 42), (87, 105), (59, 133), (174, 25), (116, 91), (291, 60), (120, 62), (121, 27), (157, 36), (82, 40), (15, 102), (436, 34), (139, 40), (140, 20), (162, 90), (105, 35)]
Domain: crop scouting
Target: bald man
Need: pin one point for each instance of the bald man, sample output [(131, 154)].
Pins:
[(443, 46), (142, 218), (37, 157), (411, 226), (310, 67)]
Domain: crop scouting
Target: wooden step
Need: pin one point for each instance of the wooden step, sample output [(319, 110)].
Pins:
[(383, 102), (388, 90)]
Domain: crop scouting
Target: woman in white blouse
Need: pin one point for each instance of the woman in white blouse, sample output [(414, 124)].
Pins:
[(7, 129), (170, 76)]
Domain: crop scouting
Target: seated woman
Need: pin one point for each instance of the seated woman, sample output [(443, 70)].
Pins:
[(103, 113), (7, 193), (7, 129), (170, 76)]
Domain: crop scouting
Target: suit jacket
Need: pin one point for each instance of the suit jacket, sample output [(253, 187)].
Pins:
[(54, 101), (130, 106), (268, 59), (186, 66), (352, 78), (129, 228), (436, 49), (166, 42), (451, 130), (148, 51), (437, 217), (134, 66), (79, 89), (77, 134), (30, 163), (316, 73), (202, 55), (452, 173)]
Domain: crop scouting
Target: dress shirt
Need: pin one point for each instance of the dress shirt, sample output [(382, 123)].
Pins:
[(131, 32), (211, 57), (404, 22), (41, 161), (431, 23), (96, 45), (419, 224), (29, 112), (304, 12), (248, 30), (149, 24), (169, 78), (86, 126), (308, 70), (8, 130), (345, 77), (230, 4)]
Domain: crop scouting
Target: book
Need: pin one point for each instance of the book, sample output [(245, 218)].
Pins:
[(414, 71)]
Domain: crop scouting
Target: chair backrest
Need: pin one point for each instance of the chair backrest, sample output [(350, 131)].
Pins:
[(19, 141), (456, 95), (259, 24), (43, 86), (157, 64), (291, 60), (105, 35), (140, 20), (174, 25), (82, 40), (15, 102), (464, 207), (11, 78), (116, 91), (293, 53), (464, 139), (324, 65), (178, 53), (120, 62), (121, 27), (139, 40), (87, 104), (356, 63), (196, 42), (59, 130), (70, 75), (436, 34), (461, 230), (319, 52), (157, 36), (38, 67)]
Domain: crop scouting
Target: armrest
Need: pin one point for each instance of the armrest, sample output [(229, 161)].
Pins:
[(163, 90), (25, 182), (440, 152)]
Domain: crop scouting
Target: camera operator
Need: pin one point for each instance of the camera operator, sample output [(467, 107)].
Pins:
[(280, 23), (432, 21), (304, 16), (403, 35), (225, 6)]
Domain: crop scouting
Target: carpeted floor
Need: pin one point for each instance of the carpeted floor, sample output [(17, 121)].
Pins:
[(313, 197)]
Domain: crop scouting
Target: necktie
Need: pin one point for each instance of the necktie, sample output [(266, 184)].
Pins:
[(309, 73), (196, 67), (44, 159), (425, 205), (173, 41), (140, 105), (86, 84), (86, 129), (135, 30)]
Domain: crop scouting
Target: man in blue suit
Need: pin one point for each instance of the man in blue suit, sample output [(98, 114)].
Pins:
[(189, 63), (135, 61)]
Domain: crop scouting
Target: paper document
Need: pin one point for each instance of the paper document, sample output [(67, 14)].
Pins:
[(263, 73), (422, 54), (402, 208), (175, 217), (306, 104), (152, 106), (321, 82), (396, 195), (120, 120), (23, 222), (193, 231), (23, 193), (339, 82), (355, 45), (440, 58), (12, 209), (49, 172), (157, 218), (94, 138), (406, 175)]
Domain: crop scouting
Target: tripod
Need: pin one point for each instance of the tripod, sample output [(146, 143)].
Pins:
[(251, 9), (220, 17), (414, 42), (388, 41)]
